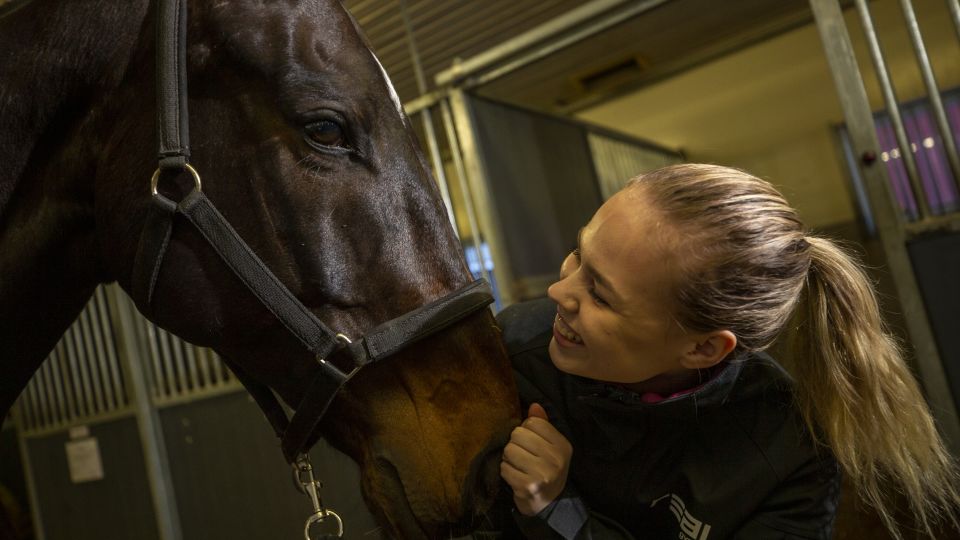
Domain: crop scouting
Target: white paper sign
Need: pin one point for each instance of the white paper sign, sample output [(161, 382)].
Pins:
[(83, 458)]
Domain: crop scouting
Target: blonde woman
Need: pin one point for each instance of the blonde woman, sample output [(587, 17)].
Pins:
[(654, 412)]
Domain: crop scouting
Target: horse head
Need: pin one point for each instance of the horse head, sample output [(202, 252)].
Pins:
[(303, 146)]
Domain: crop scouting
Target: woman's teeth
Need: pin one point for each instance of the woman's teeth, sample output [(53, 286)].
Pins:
[(566, 333)]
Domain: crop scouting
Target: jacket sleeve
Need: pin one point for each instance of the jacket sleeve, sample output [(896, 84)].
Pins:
[(803, 506), (568, 518)]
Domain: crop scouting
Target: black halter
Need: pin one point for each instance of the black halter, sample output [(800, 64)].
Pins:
[(322, 342)]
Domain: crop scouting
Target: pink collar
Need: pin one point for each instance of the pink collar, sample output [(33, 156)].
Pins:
[(653, 397)]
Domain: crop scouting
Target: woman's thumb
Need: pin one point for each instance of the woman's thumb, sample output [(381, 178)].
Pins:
[(537, 411)]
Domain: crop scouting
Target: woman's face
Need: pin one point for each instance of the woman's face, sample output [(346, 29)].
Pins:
[(614, 311)]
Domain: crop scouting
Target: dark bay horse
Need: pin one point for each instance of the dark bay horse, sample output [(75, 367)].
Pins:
[(304, 148)]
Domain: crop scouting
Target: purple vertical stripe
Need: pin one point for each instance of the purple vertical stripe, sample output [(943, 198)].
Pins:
[(917, 124), (898, 175), (937, 158)]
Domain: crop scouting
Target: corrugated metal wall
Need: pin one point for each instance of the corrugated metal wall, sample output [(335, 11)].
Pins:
[(617, 161), (83, 379), (228, 474)]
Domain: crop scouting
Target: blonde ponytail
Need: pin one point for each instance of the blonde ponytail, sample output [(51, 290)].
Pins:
[(748, 264), (855, 390)]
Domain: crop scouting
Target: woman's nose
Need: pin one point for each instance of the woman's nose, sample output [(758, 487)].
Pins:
[(562, 293)]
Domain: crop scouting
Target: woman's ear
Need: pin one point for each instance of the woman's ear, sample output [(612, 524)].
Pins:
[(707, 350)]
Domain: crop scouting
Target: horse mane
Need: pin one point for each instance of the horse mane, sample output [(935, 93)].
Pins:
[(56, 59)]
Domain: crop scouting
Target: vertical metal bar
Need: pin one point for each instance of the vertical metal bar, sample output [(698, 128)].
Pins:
[(863, 134), (217, 366), (92, 359), (933, 91), (429, 132), (169, 372), (148, 423), (479, 187), (75, 377), (442, 181), (110, 346), (461, 173), (27, 406), (175, 346), (954, 6), (42, 381), (191, 360), (68, 381), (150, 332), (203, 359), (93, 320), (82, 363), (893, 108), (57, 386)]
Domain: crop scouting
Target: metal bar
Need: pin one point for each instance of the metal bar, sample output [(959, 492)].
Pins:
[(148, 423), (461, 69), (42, 380), (82, 365), (442, 181), (203, 360), (92, 360), (476, 176), (423, 102), (863, 134), (193, 374), (57, 384), (68, 396), (109, 399), (427, 118), (893, 109), (75, 378), (933, 91), (954, 6), (169, 375), (221, 369), (461, 173), (110, 346), (156, 362), (176, 350), (27, 406)]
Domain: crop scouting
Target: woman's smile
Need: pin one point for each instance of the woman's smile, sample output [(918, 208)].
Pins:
[(565, 335)]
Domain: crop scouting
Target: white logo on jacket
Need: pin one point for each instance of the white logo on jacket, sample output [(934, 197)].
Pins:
[(691, 528)]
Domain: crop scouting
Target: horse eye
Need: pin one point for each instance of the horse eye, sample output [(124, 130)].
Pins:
[(325, 133)]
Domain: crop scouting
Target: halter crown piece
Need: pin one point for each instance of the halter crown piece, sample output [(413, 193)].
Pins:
[(381, 342)]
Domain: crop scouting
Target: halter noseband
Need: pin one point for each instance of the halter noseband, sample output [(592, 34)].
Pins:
[(322, 342)]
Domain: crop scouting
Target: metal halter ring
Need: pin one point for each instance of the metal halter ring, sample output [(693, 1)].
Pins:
[(319, 517), (156, 178)]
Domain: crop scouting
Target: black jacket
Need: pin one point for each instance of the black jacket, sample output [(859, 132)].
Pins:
[(733, 459)]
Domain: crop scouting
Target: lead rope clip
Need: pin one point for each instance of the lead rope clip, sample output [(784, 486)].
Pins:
[(310, 486)]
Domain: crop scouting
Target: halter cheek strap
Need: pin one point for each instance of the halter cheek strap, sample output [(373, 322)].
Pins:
[(323, 343)]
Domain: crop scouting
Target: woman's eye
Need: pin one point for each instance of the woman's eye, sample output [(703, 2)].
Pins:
[(596, 297), (325, 133)]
